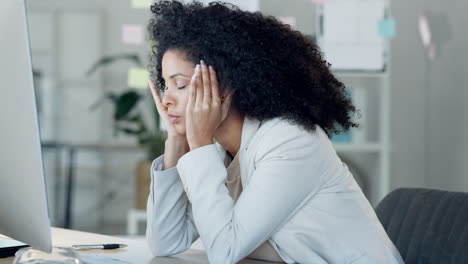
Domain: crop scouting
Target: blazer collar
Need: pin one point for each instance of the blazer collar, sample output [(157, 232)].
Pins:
[(249, 128)]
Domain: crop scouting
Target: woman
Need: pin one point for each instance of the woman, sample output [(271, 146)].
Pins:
[(248, 166)]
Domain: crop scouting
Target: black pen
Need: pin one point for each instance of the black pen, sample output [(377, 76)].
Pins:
[(102, 246)]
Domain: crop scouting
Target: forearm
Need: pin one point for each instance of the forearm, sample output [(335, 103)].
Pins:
[(170, 228), (175, 148)]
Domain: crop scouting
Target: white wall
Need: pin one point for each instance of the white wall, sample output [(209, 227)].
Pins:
[(430, 114)]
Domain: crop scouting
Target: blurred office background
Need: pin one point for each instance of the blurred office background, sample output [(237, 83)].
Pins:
[(404, 62)]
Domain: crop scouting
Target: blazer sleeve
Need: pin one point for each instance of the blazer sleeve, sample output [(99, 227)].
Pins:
[(170, 227), (286, 175)]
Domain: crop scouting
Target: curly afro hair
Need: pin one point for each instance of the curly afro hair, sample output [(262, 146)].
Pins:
[(272, 70)]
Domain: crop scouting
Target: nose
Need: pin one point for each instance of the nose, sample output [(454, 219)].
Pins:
[(168, 98)]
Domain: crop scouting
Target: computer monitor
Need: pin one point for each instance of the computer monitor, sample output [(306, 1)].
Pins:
[(23, 202)]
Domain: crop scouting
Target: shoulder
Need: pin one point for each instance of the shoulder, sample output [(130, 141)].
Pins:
[(283, 131), (281, 136), (282, 125)]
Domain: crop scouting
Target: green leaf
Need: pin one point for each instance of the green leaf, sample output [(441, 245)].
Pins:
[(111, 59), (130, 131), (135, 118), (125, 103)]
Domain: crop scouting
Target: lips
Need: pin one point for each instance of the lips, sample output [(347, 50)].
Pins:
[(174, 118)]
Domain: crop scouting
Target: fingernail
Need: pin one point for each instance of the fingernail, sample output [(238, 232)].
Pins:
[(202, 62)]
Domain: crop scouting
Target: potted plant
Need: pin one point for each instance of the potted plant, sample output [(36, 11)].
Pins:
[(129, 119)]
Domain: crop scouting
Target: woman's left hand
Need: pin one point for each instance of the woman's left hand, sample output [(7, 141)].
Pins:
[(205, 110)]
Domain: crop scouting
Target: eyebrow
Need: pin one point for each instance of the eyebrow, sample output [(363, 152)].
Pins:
[(178, 74)]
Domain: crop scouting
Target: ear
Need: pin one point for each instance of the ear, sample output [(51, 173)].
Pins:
[(226, 100)]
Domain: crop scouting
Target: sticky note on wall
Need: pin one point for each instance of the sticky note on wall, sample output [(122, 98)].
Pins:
[(342, 137), (141, 3), (387, 28), (133, 34), (138, 78)]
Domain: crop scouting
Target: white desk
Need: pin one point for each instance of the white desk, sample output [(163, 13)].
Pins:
[(137, 251)]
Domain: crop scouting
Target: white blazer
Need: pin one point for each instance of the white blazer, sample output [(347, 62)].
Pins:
[(297, 194)]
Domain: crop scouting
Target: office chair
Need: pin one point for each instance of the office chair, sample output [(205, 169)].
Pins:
[(427, 226)]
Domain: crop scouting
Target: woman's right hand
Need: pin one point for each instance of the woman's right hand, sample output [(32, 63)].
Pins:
[(176, 144)]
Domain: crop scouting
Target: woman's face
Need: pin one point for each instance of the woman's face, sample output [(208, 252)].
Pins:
[(177, 73)]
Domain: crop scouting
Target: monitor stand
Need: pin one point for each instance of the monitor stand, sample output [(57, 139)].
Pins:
[(63, 255), (8, 246)]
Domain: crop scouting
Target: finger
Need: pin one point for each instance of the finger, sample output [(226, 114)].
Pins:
[(214, 85), (155, 93), (199, 86), (159, 105), (192, 91), (205, 76)]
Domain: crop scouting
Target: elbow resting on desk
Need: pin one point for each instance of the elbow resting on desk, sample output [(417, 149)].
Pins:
[(164, 246)]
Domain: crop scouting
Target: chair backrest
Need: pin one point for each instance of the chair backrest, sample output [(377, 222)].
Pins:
[(427, 226)]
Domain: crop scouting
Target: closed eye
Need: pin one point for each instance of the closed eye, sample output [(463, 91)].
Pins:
[(182, 87)]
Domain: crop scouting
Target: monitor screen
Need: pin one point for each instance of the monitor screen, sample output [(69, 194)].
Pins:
[(23, 202)]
